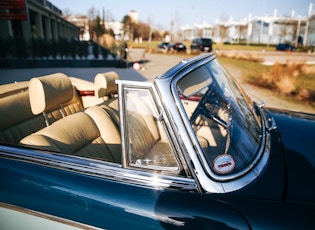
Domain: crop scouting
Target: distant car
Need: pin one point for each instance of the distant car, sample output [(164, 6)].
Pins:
[(178, 46), (285, 47), (165, 46), (201, 44)]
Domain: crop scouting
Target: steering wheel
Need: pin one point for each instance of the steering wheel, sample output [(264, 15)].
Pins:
[(206, 108)]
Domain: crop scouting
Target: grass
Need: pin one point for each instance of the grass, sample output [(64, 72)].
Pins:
[(249, 69), (293, 80)]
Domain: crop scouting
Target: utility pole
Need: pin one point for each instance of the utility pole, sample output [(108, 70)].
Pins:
[(298, 31), (310, 9)]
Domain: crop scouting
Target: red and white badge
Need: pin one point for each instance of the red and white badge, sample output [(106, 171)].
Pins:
[(223, 164)]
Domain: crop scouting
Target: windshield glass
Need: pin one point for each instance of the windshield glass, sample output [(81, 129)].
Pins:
[(222, 117)]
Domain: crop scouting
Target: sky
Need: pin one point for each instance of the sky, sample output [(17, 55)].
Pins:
[(160, 13)]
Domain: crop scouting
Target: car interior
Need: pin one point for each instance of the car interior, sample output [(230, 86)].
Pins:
[(51, 113)]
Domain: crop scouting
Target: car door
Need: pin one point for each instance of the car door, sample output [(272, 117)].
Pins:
[(107, 196)]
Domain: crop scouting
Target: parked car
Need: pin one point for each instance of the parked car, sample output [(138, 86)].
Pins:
[(201, 44), (188, 150), (285, 47), (179, 46), (165, 46)]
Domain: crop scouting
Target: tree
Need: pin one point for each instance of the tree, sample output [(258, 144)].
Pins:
[(223, 30), (97, 27), (142, 30), (128, 26)]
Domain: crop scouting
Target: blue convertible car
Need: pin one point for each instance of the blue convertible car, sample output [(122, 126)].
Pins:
[(189, 150)]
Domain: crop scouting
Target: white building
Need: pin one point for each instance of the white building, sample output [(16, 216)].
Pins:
[(134, 16), (117, 28), (293, 29)]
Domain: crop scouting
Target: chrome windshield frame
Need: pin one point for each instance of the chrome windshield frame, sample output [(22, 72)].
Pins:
[(208, 180)]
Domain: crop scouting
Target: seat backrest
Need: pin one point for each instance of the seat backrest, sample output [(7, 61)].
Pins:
[(53, 95), (90, 133), (17, 119), (106, 88)]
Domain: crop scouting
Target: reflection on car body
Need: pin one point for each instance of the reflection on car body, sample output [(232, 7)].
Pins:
[(189, 149)]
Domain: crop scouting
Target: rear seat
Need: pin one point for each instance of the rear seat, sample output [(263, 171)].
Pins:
[(90, 133), (17, 119)]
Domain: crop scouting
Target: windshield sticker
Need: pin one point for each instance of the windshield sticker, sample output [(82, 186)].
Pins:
[(223, 164)]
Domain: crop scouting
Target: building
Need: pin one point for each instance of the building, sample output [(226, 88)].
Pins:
[(117, 28), (134, 16), (83, 23), (29, 19), (274, 30), (270, 30)]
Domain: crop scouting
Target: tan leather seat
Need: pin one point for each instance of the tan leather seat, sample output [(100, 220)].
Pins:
[(105, 85), (54, 96), (17, 119), (106, 88), (90, 133)]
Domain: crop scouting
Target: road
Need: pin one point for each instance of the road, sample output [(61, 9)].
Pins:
[(157, 64)]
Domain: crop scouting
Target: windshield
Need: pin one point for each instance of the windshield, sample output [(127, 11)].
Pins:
[(222, 117)]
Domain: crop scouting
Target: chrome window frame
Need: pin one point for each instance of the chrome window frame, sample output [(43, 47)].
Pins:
[(149, 86), (209, 181)]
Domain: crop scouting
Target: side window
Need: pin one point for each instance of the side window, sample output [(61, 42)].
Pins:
[(148, 145)]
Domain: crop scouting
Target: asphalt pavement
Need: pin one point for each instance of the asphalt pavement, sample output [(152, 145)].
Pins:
[(151, 66)]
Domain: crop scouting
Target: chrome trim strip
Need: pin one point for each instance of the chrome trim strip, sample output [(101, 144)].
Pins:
[(97, 168), (47, 217)]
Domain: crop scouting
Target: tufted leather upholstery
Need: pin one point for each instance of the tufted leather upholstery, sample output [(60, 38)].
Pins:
[(106, 88), (90, 133), (53, 93), (17, 119)]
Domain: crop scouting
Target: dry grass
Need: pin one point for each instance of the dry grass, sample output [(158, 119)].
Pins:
[(286, 79), (282, 78), (293, 80), (240, 56)]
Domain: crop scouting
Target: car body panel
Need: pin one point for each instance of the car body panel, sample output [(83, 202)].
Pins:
[(107, 204), (29, 219), (300, 154)]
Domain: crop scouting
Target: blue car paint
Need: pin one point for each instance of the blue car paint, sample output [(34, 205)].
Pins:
[(297, 134), (110, 204)]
